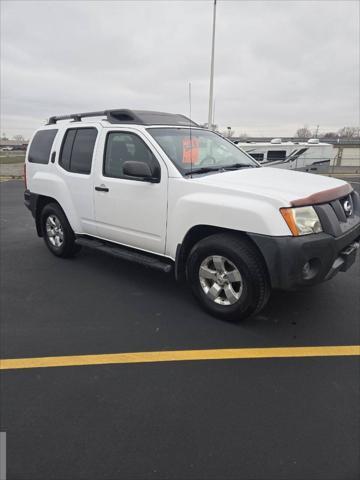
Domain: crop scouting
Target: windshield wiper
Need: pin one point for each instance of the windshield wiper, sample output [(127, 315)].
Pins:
[(202, 170), (236, 166), (220, 168)]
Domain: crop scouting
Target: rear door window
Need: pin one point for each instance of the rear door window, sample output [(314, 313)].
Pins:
[(66, 149), (41, 145), (77, 150)]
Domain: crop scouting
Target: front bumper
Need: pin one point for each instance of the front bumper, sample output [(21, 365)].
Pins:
[(298, 261)]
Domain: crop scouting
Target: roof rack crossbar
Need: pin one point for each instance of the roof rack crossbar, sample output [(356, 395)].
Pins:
[(75, 116)]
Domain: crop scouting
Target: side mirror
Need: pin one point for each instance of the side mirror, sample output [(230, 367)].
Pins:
[(139, 170)]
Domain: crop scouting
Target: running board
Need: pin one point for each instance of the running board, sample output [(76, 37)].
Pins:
[(125, 253)]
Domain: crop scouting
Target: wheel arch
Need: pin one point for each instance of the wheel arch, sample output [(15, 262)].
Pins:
[(41, 202), (199, 232)]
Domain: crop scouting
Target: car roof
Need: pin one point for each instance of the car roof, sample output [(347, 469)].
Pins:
[(129, 117)]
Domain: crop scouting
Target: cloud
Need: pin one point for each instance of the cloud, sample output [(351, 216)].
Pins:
[(278, 66)]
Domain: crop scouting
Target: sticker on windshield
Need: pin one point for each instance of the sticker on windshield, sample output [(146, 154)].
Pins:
[(191, 150)]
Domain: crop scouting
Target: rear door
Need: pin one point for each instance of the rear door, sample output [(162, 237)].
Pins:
[(75, 166), (130, 211)]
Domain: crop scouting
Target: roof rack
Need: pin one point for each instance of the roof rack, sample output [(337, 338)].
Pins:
[(139, 117)]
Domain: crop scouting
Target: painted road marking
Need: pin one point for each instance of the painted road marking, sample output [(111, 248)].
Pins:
[(179, 356)]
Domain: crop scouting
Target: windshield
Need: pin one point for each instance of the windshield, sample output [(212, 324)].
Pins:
[(199, 151)]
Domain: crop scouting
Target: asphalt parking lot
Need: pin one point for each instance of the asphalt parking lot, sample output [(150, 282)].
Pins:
[(271, 418)]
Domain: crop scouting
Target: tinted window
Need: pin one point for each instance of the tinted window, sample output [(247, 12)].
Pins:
[(274, 155), (77, 150), (122, 147), (41, 145), (258, 156), (66, 149)]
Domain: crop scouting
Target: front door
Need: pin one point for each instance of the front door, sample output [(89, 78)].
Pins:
[(127, 210)]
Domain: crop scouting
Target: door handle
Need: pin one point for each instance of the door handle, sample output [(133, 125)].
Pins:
[(101, 189)]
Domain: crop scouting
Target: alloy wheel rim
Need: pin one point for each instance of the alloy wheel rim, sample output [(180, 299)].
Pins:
[(54, 231), (220, 280)]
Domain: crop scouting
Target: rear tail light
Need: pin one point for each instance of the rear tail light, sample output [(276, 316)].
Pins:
[(25, 179)]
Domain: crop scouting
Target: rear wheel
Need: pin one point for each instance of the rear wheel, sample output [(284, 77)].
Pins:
[(228, 276), (57, 232)]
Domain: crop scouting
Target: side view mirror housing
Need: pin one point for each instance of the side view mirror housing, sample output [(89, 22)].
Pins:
[(141, 171)]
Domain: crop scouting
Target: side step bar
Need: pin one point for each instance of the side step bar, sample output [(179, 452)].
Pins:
[(125, 253)]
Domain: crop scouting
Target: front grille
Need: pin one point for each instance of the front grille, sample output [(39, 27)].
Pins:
[(344, 207), (340, 215)]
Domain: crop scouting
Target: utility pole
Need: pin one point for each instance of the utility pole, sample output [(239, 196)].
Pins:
[(211, 92), (317, 131)]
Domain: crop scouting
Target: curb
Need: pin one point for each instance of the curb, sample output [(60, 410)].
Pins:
[(4, 178)]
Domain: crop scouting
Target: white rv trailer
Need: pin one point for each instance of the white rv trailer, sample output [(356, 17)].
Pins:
[(309, 156)]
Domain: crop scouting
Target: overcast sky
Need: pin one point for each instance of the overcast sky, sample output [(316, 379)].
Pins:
[(279, 65)]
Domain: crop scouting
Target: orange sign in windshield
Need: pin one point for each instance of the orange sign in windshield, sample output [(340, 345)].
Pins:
[(191, 150)]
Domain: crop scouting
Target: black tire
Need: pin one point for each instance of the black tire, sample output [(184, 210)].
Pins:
[(254, 287), (68, 247)]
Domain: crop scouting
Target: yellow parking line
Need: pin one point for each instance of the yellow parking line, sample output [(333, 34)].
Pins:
[(179, 356)]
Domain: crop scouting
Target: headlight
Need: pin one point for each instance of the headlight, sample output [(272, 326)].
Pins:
[(301, 220)]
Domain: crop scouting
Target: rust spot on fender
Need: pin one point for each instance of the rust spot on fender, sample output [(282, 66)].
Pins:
[(323, 197)]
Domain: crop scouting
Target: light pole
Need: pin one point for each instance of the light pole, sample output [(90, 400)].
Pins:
[(211, 91)]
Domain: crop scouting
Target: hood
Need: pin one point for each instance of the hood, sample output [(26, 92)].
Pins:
[(294, 188)]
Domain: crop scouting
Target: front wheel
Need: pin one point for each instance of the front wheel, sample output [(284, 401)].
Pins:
[(228, 276)]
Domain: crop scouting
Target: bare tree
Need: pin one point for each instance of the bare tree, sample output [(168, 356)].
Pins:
[(19, 138), (303, 132), (349, 132), (329, 135)]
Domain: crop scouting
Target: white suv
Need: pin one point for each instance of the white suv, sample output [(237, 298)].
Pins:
[(158, 189)]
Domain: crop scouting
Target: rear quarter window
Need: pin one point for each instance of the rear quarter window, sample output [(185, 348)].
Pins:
[(41, 145)]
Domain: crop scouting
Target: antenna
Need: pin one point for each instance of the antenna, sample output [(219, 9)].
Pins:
[(191, 158), (213, 119), (211, 89)]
